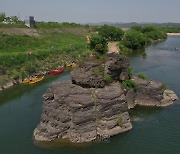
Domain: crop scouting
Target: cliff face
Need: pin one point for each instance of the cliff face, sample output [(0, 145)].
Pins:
[(88, 107), (81, 114)]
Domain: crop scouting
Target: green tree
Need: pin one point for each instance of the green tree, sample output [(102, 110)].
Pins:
[(98, 44), (151, 32), (134, 40), (2, 16), (111, 33), (138, 28), (14, 18)]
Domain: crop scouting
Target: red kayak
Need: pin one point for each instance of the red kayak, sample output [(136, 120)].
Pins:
[(58, 71), (51, 72)]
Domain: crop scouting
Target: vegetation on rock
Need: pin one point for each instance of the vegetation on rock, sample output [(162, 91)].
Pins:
[(142, 76), (129, 84), (107, 78), (120, 120)]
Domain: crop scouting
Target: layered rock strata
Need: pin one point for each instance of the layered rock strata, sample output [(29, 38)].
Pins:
[(81, 114)]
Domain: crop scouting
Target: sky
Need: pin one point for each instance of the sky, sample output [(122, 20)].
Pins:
[(94, 11)]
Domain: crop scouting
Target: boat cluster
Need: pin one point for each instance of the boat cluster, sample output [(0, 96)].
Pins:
[(38, 78)]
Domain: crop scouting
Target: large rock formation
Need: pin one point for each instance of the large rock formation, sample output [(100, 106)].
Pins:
[(88, 107), (81, 114)]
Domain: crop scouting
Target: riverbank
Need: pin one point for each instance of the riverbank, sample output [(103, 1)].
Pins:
[(46, 65), (173, 34)]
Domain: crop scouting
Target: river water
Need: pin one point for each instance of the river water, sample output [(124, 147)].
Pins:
[(155, 130)]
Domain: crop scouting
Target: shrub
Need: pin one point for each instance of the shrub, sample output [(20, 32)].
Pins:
[(2, 16), (96, 73), (15, 74), (164, 87), (142, 76), (130, 72), (108, 78), (120, 120), (134, 40), (98, 44), (129, 84), (111, 33)]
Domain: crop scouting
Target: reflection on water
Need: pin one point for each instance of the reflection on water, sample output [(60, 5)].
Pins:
[(59, 143), (138, 53)]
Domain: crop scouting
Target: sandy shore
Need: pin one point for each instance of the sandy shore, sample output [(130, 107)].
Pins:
[(173, 34)]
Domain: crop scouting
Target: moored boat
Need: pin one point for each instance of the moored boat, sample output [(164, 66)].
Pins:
[(58, 71), (26, 80), (36, 79), (50, 72), (71, 64)]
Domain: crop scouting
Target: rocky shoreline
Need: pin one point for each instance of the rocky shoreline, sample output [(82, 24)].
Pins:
[(95, 102)]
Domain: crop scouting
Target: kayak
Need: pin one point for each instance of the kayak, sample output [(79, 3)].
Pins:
[(68, 65), (36, 79), (50, 72), (58, 71), (26, 80), (71, 65)]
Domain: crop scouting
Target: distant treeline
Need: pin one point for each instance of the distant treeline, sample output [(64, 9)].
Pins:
[(171, 29), (133, 24)]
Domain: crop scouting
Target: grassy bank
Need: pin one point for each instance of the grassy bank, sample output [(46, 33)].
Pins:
[(52, 45)]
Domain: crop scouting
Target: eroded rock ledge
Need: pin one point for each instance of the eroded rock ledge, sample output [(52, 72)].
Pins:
[(89, 106)]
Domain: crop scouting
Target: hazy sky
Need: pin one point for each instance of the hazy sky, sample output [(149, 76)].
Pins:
[(91, 11)]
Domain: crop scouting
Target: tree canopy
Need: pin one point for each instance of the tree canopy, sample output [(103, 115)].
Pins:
[(111, 33), (2, 16), (99, 44), (134, 40)]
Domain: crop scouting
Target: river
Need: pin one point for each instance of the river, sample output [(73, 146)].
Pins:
[(155, 130)]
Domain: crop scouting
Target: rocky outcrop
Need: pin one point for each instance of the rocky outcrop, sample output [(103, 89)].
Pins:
[(89, 74), (149, 93), (87, 107), (81, 114), (8, 85), (117, 66)]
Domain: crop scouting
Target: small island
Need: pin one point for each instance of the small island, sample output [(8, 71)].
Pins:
[(96, 101)]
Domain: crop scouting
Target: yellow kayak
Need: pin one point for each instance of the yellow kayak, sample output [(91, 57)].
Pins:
[(68, 65), (71, 65), (36, 79), (26, 80)]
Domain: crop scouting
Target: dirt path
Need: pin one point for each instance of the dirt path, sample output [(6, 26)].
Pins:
[(88, 38), (113, 47)]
